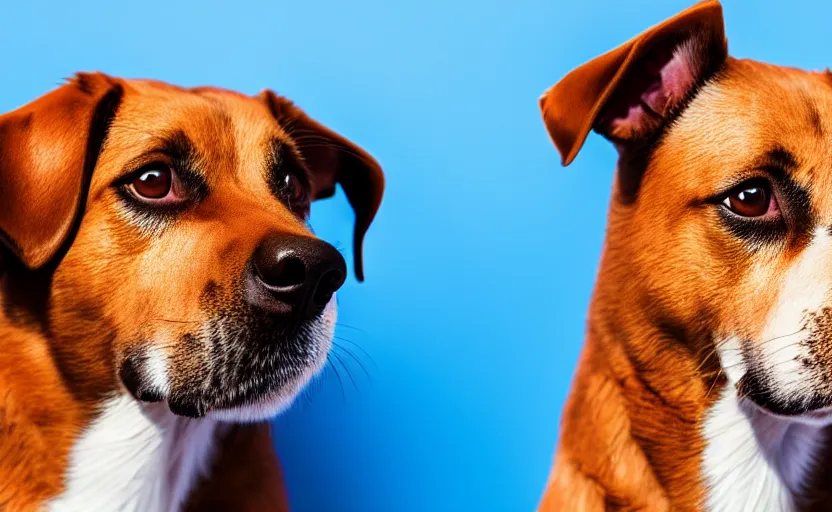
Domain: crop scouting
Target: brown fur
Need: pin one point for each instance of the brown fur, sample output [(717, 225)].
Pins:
[(82, 283), (670, 277), (242, 447)]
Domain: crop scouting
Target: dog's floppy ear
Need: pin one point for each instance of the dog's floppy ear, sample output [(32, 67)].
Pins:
[(628, 94), (47, 151), (333, 159)]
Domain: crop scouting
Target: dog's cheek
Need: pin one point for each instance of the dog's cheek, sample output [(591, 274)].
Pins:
[(198, 358), (677, 285), (99, 312), (793, 347), (83, 334), (99, 267)]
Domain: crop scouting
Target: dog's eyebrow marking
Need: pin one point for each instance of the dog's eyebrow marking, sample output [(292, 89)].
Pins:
[(174, 144), (777, 160), (178, 146)]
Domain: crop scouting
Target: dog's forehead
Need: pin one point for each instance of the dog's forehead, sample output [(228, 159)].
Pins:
[(750, 110), (230, 130), (176, 104)]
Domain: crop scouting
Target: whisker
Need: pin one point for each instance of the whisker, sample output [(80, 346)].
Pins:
[(340, 382), (346, 369), (174, 321), (718, 347), (354, 358), (712, 353), (341, 324), (784, 336), (359, 347), (716, 379)]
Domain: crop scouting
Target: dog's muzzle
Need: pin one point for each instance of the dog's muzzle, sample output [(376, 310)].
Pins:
[(262, 340)]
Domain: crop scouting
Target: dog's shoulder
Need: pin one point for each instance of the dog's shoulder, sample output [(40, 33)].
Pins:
[(37, 420), (600, 465)]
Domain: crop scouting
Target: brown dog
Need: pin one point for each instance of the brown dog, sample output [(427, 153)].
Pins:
[(160, 286), (706, 379)]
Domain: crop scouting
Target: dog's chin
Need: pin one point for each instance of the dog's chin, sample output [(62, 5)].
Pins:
[(252, 376), (271, 404), (266, 408)]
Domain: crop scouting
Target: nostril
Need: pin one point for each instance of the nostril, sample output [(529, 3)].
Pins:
[(329, 282), (294, 275), (286, 272)]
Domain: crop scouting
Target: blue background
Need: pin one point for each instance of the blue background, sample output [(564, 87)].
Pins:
[(483, 256)]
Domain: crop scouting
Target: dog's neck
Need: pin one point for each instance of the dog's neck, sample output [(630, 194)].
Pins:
[(686, 419), (136, 457)]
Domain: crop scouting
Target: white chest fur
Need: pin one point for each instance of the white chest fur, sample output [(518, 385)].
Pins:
[(135, 457), (754, 461)]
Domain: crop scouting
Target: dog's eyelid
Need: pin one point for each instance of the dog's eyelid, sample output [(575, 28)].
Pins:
[(776, 172), (726, 188), (190, 177), (144, 160), (778, 159)]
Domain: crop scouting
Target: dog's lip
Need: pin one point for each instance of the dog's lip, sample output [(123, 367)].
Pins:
[(820, 415)]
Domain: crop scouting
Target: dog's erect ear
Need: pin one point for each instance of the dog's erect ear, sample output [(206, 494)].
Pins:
[(47, 151), (333, 159), (629, 93)]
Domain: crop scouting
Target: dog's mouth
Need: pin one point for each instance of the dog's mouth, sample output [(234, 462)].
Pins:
[(813, 408), (235, 366)]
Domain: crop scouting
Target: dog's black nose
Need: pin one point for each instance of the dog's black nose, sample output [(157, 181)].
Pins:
[(295, 275)]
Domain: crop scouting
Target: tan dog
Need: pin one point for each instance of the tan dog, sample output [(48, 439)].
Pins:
[(160, 285), (706, 379)]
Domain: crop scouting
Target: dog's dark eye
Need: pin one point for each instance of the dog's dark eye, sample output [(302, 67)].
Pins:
[(153, 183), (156, 183), (294, 191), (751, 199)]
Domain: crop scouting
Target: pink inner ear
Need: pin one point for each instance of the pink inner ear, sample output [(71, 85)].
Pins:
[(659, 81)]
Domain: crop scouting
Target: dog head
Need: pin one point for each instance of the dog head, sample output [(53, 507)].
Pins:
[(720, 226), (158, 237)]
